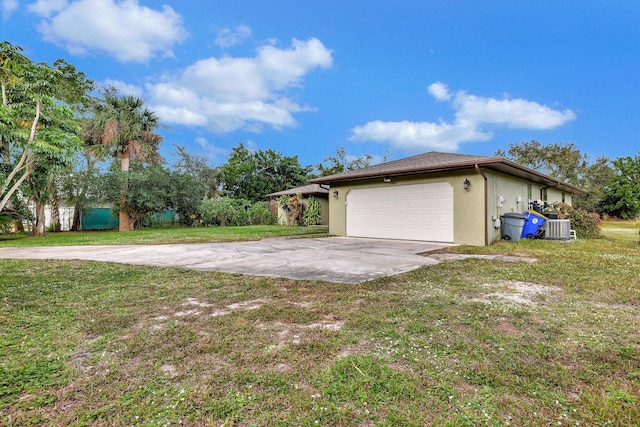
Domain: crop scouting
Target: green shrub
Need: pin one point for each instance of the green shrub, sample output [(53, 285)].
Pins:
[(216, 211), (312, 214), (586, 224), (260, 214), (5, 221), (240, 215), (292, 207), (283, 202), (224, 211)]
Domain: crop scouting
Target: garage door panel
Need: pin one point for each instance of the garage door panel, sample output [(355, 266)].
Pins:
[(407, 212)]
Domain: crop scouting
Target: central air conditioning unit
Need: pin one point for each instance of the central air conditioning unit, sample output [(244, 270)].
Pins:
[(557, 229)]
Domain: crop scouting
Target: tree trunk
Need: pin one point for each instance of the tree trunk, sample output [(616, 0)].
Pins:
[(54, 202), (77, 222), (40, 219), (124, 220)]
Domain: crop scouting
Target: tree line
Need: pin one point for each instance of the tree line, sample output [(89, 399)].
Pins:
[(613, 186), (64, 140)]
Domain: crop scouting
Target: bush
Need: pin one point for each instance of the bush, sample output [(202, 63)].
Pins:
[(260, 214), (312, 215), (186, 197), (240, 214), (292, 207), (224, 211), (216, 211), (586, 224)]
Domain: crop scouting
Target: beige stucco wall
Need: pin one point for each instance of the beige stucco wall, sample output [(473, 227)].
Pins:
[(514, 194), (283, 218), (468, 205), (505, 193), (555, 196)]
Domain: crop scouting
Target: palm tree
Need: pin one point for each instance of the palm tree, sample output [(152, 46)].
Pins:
[(126, 128)]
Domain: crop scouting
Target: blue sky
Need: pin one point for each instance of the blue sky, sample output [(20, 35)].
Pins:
[(399, 77)]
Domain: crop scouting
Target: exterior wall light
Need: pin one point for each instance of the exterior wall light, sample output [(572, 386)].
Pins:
[(466, 184), (386, 179), (335, 194)]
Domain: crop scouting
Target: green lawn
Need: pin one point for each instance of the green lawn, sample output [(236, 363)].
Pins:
[(463, 343), (628, 231), (156, 236)]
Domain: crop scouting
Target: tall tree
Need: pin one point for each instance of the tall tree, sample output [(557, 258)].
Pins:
[(252, 175), (562, 161), (148, 190), (198, 168), (124, 125), (38, 128), (11, 64), (622, 192), (567, 163), (594, 180), (341, 162)]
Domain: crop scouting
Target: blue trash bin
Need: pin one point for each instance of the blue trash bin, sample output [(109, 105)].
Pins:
[(532, 223)]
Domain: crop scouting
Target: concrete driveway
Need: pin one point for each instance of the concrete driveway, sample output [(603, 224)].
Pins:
[(334, 259)]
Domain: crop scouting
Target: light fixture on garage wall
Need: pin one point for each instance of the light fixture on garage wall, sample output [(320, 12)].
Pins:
[(386, 179), (335, 194), (466, 184)]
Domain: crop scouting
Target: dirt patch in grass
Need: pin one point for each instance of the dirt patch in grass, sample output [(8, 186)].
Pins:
[(291, 333), (507, 328), (169, 370), (516, 292)]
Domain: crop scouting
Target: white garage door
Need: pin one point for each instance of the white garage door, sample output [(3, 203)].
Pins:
[(406, 212)]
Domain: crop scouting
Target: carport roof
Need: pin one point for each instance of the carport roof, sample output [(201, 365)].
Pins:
[(434, 161)]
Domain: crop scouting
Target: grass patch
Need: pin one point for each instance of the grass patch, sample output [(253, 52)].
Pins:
[(471, 342), (627, 231), (158, 236)]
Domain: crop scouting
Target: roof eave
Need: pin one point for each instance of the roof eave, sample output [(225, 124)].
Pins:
[(499, 164)]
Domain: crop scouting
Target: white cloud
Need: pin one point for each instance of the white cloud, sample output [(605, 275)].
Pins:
[(124, 88), (513, 113), (440, 91), (125, 30), (209, 150), (472, 115), (46, 8), (416, 136), (228, 37), (226, 94), (8, 7)]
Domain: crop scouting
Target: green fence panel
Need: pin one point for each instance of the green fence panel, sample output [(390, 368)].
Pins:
[(99, 219), (165, 218)]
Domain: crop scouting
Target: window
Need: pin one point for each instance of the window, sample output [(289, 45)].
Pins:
[(529, 192), (563, 197), (544, 194)]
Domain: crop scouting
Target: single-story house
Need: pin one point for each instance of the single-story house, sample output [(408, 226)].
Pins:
[(439, 197), (311, 190)]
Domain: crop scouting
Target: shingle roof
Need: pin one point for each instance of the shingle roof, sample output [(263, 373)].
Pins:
[(441, 162), (307, 190)]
